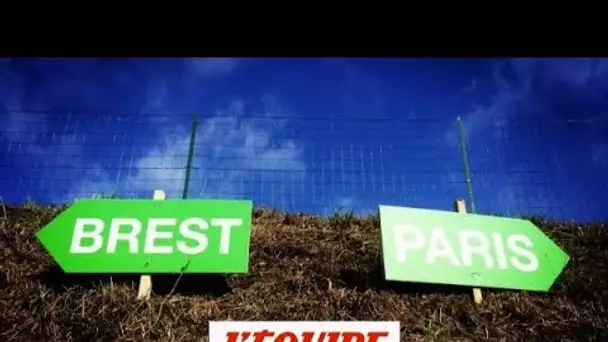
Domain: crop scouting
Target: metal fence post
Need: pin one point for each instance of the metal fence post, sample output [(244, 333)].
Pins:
[(190, 156), (465, 163)]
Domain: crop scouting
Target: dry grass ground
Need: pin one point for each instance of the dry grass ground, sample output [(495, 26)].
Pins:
[(302, 268)]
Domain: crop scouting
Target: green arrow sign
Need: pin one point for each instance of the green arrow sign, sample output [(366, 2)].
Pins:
[(151, 236), (432, 246)]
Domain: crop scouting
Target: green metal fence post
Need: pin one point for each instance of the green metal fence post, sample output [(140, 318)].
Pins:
[(190, 155), (465, 162)]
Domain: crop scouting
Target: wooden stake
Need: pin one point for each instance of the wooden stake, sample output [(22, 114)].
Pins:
[(460, 206), (145, 281)]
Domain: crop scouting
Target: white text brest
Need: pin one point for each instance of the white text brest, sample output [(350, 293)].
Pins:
[(191, 229)]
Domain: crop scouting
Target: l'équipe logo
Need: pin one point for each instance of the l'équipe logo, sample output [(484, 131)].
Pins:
[(304, 331)]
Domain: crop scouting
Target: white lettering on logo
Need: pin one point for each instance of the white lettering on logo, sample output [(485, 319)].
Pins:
[(439, 246), (191, 235), (403, 243), (481, 248), (153, 234), (199, 237), (79, 234), (512, 243), (226, 225), (130, 236), (500, 251), (489, 247)]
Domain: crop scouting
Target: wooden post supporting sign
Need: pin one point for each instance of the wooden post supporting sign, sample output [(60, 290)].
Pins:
[(460, 206), (145, 281)]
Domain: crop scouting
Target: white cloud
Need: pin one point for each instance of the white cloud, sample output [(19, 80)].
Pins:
[(36, 139), (574, 73), (228, 150), (156, 96), (210, 67), (95, 179), (345, 202), (516, 93), (471, 88), (600, 153), (523, 87), (232, 146)]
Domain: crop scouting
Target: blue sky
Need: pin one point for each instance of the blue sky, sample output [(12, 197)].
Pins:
[(311, 134)]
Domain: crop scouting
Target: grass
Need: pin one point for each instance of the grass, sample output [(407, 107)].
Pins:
[(302, 268)]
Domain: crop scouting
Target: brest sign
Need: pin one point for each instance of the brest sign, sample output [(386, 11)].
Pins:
[(431, 246), (151, 236)]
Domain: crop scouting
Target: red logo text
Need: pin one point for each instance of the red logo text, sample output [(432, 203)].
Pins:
[(306, 336)]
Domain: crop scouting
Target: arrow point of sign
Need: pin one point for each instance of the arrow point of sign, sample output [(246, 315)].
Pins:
[(557, 260), (51, 235), (560, 265), (41, 235)]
